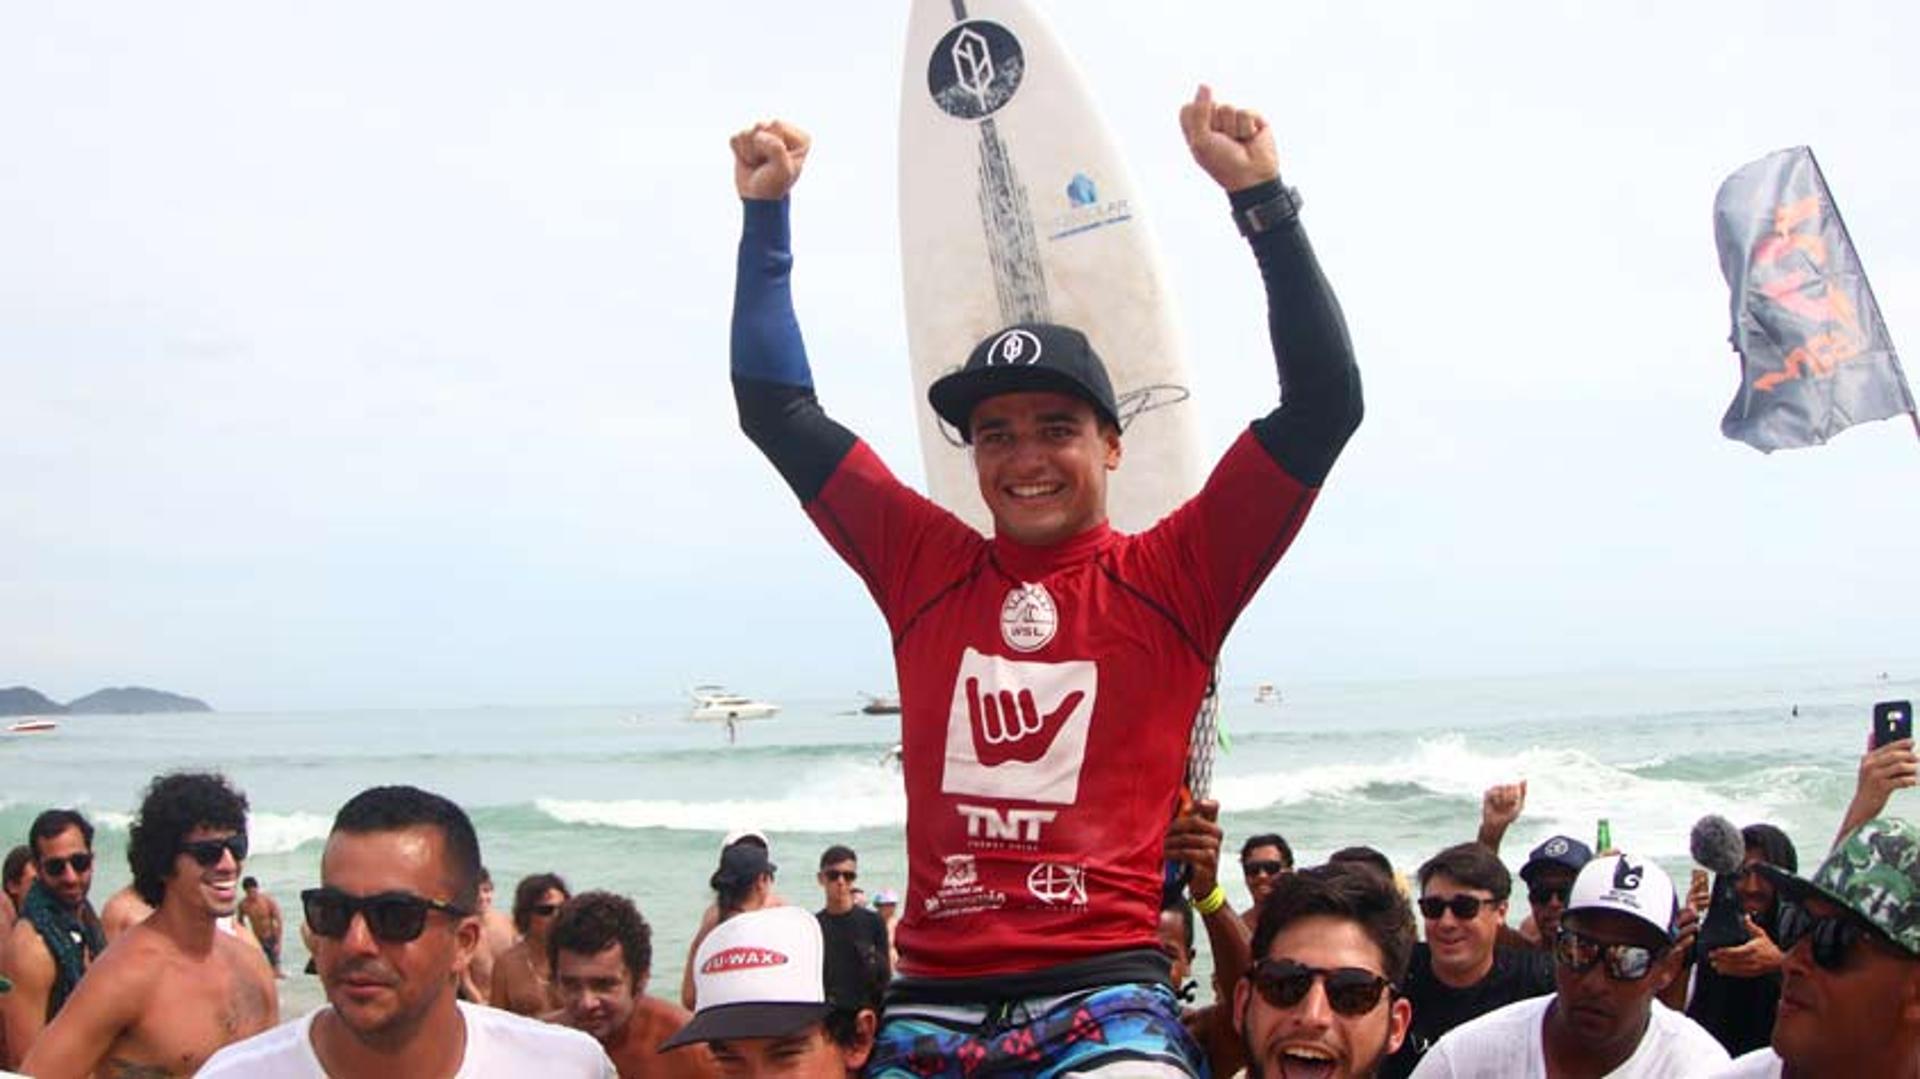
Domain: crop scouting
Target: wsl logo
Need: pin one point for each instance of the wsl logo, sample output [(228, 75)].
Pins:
[(975, 69)]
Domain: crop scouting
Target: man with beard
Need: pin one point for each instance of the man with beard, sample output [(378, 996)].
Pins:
[(393, 924), (1332, 946), (1612, 956), (602, 951), (58, 933), (173, 988)]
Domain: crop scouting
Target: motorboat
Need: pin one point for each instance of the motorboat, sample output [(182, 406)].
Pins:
[(880, 704), (32, 726), (717, 704)]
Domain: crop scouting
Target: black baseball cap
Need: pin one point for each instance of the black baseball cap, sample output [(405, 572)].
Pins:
[(1025, 358), (1560, 850)]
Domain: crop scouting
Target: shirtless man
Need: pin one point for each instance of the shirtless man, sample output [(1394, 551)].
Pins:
[(523, 976), (602, 952), (123, 910), (261, 915), (58, 934), (175, 988), (497, 937)]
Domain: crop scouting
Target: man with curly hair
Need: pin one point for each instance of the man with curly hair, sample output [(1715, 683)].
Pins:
[(174, 988), (601, 951)]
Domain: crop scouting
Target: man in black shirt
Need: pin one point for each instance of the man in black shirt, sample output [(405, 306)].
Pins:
[(1458, 973), (858, 964)]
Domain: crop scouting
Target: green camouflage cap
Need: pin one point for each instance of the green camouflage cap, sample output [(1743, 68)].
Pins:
[(1875, 873)]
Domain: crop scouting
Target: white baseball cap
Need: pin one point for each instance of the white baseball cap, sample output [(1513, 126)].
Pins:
[(757, 975), (746, 833), (1623, 883)]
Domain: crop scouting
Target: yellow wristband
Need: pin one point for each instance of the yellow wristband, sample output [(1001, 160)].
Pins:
[(1211, 902)]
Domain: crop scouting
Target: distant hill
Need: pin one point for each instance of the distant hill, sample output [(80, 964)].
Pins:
[(21, 701), (134, 700)]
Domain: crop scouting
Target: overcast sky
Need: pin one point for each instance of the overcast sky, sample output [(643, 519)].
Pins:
[(370, 354)]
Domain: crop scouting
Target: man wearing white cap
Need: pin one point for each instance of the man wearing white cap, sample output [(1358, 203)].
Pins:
[(760, 979), (1613, 953)]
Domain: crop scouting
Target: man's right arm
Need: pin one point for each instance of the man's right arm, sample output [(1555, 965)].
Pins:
[(24, 1010)]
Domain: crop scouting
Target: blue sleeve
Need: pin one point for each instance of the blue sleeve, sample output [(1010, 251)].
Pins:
[(772, 385)]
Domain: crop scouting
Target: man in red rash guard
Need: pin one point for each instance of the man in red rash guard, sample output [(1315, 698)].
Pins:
[(1048, 675)]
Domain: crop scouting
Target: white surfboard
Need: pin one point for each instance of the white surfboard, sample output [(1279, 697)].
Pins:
[(1015, 205)]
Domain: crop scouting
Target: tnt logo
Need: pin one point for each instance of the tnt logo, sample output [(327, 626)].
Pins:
[(1017, 730)]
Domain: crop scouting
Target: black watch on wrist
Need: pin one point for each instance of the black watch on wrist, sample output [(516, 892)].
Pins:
[(1270, 213)]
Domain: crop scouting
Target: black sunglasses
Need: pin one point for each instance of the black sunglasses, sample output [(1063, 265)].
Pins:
[(1263, 869), (847, 875), (1464, 907), (1625, 962), (544, 910), (57, 867), (1542, 894), (1832, 937), (207, 852), (1351, 991), (394, 917)]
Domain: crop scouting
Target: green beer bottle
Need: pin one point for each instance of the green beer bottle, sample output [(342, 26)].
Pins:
[(1604, 840)]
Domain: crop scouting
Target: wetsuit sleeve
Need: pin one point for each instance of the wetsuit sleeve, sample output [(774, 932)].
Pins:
[(885, 530), (1320, 401)]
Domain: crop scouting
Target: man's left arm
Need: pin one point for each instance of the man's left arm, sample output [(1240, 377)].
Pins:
[(105, 1003)]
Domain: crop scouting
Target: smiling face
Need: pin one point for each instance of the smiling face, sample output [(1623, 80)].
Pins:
[(1462, 948), (1257, 867), (68, 884), (1756, 893), (597, 991), (383, 991), (1828, 1018), (1310, 1038), (214, 889), (1042, 461)]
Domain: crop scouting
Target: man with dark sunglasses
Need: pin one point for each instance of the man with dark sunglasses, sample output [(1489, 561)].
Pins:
[(856, 938), (1460, 972), (1549, 875), (393, 926), (523, 975), (58, 934), (1850, 983), (173, 989), (1263, 858), (1332, 943), (1612, 954)]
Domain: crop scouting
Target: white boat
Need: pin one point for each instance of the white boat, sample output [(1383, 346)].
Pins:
[(32, 726), (717, 704), (1264, 693)]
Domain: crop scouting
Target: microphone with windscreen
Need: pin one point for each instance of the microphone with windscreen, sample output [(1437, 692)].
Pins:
[(1718, 847)]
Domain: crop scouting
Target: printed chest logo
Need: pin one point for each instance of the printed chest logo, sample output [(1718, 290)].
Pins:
[(1018, 729), (1028, 618)]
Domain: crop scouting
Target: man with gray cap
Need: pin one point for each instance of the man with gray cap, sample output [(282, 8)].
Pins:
[(1049, 674), (1850, 982), (1612, 954)]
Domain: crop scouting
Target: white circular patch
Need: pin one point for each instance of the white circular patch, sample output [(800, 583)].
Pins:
[(1555, 847), (1028, 619), (1014, 346)]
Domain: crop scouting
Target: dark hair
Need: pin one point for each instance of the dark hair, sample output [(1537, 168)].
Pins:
[(741, 866), (1774, 846), (1180, 905), (51, 823), (1350, 892), (1366, 856), (1472, 865), (390, 809), (528, 894), (842, 1026), (1267, 839), (591, 921), (249, 882), (17, 860), (483, 877), (176, 804), (839, 852)]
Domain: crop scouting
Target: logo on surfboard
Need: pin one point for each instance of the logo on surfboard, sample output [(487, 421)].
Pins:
[(975, 69)]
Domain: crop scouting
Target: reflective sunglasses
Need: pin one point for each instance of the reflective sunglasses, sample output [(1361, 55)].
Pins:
[(1625, 962), (1832, 937), (1351, 991), (393, 917), (847, 875), (1464, 907), (1263, 869), (206, 852), (57, 867), (1542, 894)]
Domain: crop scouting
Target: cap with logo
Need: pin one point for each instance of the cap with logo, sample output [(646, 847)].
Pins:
[(1874, 873), (757, 975), (1627, 885), (1030, 357), (1561, 850)]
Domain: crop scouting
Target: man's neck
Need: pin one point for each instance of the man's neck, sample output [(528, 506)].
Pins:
[(1567, 1056), (1467, 978), (191, 929), (433, 1048), (838, 906)]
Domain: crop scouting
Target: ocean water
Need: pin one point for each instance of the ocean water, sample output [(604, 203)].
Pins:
[(636, 799)]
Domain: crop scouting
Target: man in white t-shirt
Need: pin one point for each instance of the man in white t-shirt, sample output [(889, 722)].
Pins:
[(394, 926), (1613, 953)]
